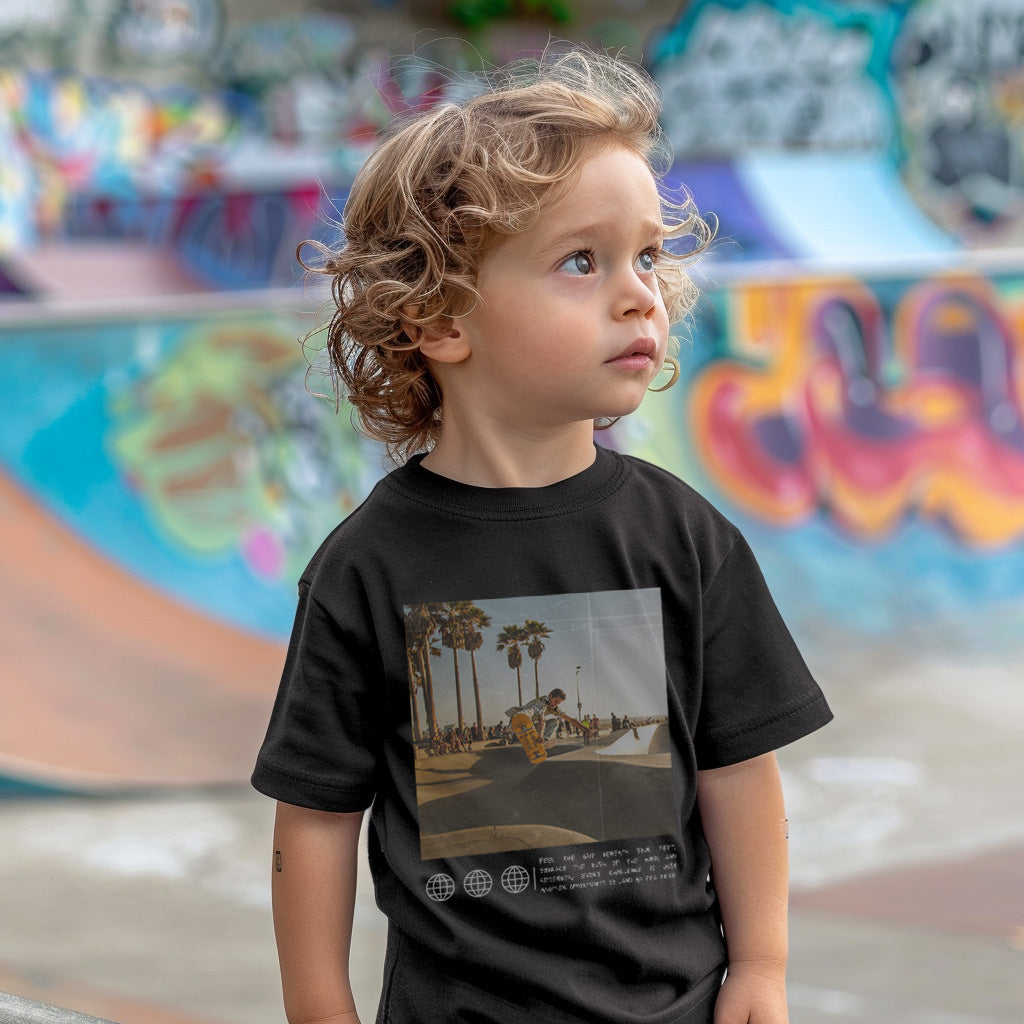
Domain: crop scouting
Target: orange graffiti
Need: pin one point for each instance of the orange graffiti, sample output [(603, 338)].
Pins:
[(827, 403)]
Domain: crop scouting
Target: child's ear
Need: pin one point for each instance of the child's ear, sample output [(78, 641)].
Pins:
[(442, 342)]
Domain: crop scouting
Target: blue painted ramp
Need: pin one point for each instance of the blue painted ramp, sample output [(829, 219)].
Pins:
[(841, 208)]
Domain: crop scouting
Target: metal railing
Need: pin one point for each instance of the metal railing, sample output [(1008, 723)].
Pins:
[(16, 1010)]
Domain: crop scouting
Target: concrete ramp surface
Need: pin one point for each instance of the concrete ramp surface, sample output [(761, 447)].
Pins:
[(109, 683), (645, 739)]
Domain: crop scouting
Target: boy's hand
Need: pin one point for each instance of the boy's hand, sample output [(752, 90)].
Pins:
[(753, 994)]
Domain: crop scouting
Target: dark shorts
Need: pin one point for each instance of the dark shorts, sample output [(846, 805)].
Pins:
[(421, 989)]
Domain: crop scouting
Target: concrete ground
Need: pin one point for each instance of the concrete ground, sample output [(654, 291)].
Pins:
[(907, 864)]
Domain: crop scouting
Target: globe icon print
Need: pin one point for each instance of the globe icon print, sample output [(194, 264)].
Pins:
[(515, 879), (440, 887), (477, 883)]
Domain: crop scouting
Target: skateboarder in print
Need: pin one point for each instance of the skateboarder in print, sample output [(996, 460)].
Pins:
[(547, 707)]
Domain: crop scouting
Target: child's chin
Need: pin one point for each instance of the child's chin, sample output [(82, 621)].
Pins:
[(623, 408)]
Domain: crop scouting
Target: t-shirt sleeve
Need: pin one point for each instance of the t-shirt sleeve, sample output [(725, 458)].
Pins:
[(757, 692), (323, 743)]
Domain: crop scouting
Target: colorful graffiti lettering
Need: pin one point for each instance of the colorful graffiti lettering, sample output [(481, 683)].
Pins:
[(959, 70), (935, 86), (99, 137), (231, 453), (832, 400), (232, 175), (938, 85), (793, 73)]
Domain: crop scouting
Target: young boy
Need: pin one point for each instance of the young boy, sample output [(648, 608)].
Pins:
[(503, 284)]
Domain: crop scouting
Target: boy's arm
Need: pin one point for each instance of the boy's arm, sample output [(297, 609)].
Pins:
[(744, 820), (314, 891)]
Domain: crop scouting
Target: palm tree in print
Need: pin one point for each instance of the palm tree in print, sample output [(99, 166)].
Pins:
[(456, 622), (537, 633), (473, 640), (509, 639), (421, 622), (415, 684), (414, 652)]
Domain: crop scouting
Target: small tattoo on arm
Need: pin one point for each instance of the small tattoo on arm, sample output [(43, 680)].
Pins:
[(277, 860), (784, 823)]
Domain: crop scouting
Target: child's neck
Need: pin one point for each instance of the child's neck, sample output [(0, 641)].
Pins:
[(512, 461)]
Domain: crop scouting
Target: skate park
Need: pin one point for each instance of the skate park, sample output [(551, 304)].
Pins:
[(852, 397), (460, 794)]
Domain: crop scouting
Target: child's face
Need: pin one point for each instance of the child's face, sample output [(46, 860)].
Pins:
[(571, 326)]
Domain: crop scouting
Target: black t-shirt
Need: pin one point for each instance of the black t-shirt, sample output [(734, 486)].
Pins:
[(576, 889)]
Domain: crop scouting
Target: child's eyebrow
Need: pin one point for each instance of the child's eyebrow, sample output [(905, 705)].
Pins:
[(588, 233)]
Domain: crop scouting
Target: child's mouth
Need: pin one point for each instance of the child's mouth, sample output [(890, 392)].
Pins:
[(638, 354)]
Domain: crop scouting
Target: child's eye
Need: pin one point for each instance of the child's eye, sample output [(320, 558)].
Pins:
[(578, 263), (646, 261)]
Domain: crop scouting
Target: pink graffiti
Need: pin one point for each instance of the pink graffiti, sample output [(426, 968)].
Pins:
[(872, 419)]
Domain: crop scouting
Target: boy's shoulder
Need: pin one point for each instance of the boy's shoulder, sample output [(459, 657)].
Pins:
[(668, 486), (355, 538), (680, 518), (662, 478)]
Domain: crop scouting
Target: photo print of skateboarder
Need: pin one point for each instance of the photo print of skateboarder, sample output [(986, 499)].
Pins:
[(534, 731), (471, 662)]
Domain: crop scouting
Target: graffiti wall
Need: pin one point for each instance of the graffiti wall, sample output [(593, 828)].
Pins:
[(790, 74), (934, 84), (186, 449), (863, 423), (863, 420), (114, 114), (873, 403), (885, 415), (168, 118), (866, 434), (190, 126)]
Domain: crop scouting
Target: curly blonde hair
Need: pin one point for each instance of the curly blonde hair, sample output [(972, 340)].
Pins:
[(437, 190)]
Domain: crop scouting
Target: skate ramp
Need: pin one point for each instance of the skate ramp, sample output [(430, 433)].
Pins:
[(573, 794), (157, 502), (639, 742), (813, 211), (841, 209), (109, 684)]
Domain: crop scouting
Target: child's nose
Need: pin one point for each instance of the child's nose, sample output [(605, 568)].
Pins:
[(639, 294)]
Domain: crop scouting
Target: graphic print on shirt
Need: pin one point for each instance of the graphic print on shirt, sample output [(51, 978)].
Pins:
[(582, 679)]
